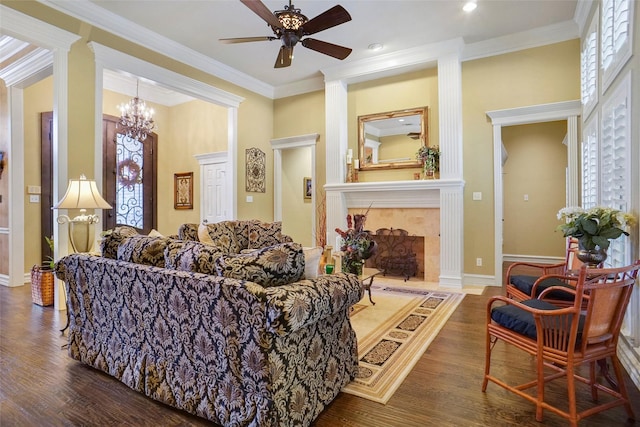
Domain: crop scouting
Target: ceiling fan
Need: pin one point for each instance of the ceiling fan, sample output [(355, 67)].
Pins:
[(290, 26)]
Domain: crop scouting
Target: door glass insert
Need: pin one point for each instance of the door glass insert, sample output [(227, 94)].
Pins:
[(129, 188)]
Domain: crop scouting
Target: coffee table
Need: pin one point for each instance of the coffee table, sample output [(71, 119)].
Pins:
[(368, 274)]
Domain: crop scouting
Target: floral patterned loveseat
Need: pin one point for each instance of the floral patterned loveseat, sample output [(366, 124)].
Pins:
[(227, 349)]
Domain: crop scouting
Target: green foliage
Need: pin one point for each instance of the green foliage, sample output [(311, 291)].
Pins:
[(595, 227)]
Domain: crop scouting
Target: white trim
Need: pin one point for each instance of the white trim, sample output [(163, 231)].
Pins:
[(535, 259), (478, 280), (568, 110), (278, 145), (31, 68), (24, 27), (135, 33)]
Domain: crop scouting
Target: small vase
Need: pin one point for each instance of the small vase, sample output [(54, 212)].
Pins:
[(351, 266), (592, 257)]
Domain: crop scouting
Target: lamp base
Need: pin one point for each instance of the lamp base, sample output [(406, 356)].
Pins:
[(81, 235)]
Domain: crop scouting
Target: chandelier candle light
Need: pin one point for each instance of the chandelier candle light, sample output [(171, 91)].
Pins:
[(136, 120), (81, 194)]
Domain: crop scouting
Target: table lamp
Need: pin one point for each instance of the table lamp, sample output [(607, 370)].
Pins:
[(81, 194)]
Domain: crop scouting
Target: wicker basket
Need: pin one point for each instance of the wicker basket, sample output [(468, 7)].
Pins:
[(42, 285)]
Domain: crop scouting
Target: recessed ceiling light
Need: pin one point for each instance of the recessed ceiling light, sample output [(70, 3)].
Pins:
[(470, 6), (375, 46)]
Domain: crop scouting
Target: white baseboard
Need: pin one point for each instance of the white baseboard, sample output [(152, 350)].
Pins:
[(4, 280), (536, 259), (479, 280)]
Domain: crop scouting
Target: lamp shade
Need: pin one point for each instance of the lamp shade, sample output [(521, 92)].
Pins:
[(82, 194)]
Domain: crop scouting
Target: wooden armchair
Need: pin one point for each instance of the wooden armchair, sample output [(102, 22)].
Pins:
[(561, 339), (521, 286)]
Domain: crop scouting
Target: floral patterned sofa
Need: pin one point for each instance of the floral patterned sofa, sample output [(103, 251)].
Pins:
[(228, 349)]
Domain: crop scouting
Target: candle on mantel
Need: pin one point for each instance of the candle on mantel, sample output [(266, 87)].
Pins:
[(349, 155), (356, 164)]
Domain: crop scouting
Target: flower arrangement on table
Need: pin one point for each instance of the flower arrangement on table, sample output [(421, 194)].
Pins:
[(594, 228), (357, 246), (430, 159)]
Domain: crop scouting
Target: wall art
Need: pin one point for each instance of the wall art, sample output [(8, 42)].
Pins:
[(183, 190), (256, 175)]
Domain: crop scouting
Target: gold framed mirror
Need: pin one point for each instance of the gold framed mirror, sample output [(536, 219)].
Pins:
[(391, 140)]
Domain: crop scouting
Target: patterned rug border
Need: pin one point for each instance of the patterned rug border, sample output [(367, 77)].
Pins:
[(405, 346)]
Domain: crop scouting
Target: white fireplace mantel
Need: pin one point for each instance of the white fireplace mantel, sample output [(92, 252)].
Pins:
[(393, 194)]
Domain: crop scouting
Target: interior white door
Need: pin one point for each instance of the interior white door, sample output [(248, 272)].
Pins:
[(215, 206)]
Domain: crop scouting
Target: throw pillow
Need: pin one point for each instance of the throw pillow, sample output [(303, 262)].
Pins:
[(192, 256), (155, 233), (113, 238), (188, 232), (242, 232), (265, 234), (312, 262), (280, 264), (223, 235), (143, 250), (203, 234)]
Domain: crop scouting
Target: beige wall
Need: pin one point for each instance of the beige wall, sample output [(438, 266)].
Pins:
[(536, 167), (302, 115), (529, 77), (296, 212), (38, 98)]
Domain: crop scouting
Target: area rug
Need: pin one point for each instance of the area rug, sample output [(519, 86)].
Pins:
[(393, 334)]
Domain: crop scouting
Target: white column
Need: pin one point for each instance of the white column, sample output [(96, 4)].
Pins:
[(336, 147), (451, 198)]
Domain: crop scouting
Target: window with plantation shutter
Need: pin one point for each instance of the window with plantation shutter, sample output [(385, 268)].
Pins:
[(615, 142), (615, 40), (589, 69), (590, 164)]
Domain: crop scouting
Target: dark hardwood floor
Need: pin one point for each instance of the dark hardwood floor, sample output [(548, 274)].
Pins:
[(41, 386)]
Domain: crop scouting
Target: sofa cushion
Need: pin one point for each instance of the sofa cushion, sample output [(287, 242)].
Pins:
[(192, 256), (113, 238), (242, 232), (188, 232), (143, 250), (279, 264), (265, 234), (312, 262), (223, 235)]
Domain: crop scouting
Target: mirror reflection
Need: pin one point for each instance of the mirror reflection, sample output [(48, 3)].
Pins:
[(391, 140)]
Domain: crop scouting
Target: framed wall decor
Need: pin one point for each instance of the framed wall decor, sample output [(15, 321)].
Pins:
[(307, 187), (256, 175), (183, 190)]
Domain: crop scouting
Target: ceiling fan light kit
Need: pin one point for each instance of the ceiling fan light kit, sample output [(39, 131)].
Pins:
[(290, 26)]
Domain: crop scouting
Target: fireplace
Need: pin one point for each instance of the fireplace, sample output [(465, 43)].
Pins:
[(432, 209)]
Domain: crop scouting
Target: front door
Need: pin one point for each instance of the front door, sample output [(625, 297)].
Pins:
[(130, 171)]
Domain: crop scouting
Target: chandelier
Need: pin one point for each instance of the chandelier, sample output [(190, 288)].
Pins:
[(136, 120)]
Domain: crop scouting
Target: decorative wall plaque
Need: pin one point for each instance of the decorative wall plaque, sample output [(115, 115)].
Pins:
[(183, 190), (256, 175)]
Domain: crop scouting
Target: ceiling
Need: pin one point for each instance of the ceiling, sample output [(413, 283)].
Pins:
[(195, 27)]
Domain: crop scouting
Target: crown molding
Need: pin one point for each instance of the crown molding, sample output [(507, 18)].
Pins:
[(542, 36), (114, 59), (88, 12), (127, 85), (298, 88), (393, 63), (535, 113), (581, 15), (40, 33), (29, 69)]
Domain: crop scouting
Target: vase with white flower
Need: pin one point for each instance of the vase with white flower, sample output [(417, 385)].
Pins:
[(357, 245), (430, 159), (594, 228)]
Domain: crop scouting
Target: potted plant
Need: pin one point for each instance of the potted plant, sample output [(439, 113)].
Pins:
[(357, 246), (430, 158), (594, 228), (42, 279)]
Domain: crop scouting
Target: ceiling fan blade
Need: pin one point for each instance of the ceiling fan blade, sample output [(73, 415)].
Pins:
[(247, 39), (335, 16), (284, 57), (261, 10), (327, 48)]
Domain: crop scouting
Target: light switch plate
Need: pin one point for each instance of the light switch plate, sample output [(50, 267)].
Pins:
[(477, 195), (34, 198), (34, 189)]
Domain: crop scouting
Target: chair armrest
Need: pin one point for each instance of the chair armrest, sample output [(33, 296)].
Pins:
[(544, 268), (569, 280), (534, 311)]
